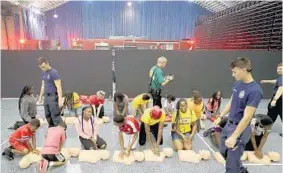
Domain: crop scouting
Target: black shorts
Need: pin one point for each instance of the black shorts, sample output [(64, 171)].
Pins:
[(223, 122), (153, 129), (87, 143), (249, 145), (54, 157)]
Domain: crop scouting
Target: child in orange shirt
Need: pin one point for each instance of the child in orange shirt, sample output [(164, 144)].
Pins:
[(196, 104)]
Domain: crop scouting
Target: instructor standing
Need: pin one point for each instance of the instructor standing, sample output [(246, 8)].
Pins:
[(157, 80), (51, 88), (275, 104), (241, 108)]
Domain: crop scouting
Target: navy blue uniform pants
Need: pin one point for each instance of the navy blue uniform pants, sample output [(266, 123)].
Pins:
[(233, 156)]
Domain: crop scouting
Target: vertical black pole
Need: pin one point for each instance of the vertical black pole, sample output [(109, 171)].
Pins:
[(113, 73)]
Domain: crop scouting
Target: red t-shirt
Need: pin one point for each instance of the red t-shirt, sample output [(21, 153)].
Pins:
[(95, 101), (22, 134), (130, 126)]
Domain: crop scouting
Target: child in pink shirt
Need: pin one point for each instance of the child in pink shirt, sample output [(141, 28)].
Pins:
[(87, 130), (213, 105), (51, 151)]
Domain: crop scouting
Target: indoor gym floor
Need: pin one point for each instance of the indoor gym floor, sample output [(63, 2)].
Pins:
[(10, 114)]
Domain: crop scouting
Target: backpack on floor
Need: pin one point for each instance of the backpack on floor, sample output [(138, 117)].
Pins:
[(208, 132)]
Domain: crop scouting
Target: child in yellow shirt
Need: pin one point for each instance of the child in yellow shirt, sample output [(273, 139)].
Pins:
[(140, 103), (152, 121), (72, 103), (183, 126)]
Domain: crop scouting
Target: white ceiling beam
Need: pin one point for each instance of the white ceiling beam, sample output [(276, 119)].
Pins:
[(53, 6), (42, 5), (228, 3), (209, 5), (216, 5), (46, 5)]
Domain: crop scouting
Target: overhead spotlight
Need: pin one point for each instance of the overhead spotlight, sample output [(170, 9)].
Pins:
[(129, 4), (22, 41), (55, 16)]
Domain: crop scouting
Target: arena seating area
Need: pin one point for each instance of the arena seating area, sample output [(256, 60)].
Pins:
[(249, 25)]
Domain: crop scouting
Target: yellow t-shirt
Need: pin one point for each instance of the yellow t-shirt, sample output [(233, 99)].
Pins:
[(139, 102), (77, 102), (146, 117), (185, 120), (198, 109)]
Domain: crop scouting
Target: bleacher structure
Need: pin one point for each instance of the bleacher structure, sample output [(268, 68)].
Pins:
[(248, 25)]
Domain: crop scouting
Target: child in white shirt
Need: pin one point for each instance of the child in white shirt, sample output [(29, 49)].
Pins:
[(169, 105)]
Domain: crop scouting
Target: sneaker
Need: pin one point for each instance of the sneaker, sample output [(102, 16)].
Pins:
[(43, 166), (3, 154), (9, 154)]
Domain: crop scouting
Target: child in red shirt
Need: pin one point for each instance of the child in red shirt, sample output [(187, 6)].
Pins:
[(51, 151), (20, 140), (98, 101), (129, 128)]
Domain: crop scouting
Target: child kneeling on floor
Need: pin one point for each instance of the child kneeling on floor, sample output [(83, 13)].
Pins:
[(169, 105), (72, 103), (51, 151), (87, 130), (20, 140), (169, 108), (184, 126), (196, 104), (213, 106), (260, 129)]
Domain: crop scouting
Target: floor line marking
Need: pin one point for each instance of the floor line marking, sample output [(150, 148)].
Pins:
[(205, 143), (245, 164), (256, 164), (10, 98), (4, 142)]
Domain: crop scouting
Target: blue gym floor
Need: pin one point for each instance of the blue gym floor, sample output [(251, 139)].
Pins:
[(9, 114)]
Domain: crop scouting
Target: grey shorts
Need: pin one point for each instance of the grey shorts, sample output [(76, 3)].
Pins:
[(175, 136)]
